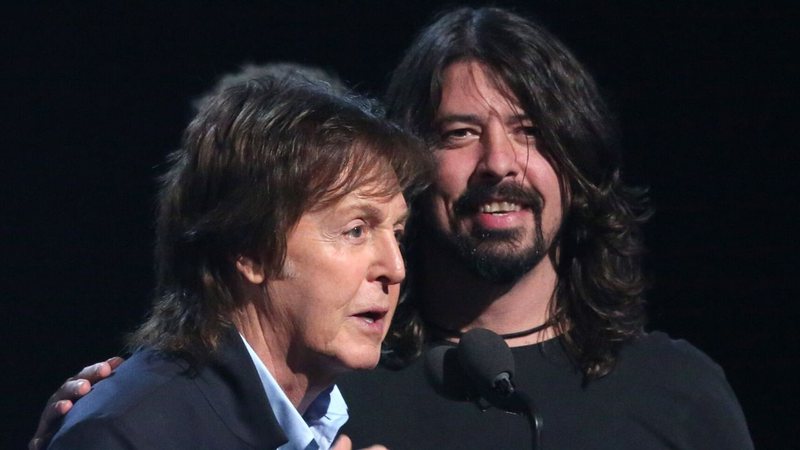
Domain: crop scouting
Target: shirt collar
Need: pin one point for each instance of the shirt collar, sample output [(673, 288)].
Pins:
[(317, 428)]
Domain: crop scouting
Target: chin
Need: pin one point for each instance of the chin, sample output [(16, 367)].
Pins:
[(365, 359)]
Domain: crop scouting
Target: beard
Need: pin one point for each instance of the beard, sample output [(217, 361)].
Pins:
[(497, 256)]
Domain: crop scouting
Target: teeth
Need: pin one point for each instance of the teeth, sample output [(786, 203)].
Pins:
[(369, 320), (499, 207)]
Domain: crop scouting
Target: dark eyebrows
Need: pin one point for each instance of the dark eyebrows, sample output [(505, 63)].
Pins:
[(519, 118), (452, 118)]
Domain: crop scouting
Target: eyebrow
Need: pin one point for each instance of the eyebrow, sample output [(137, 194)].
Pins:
[(450, 118), (373, 212)]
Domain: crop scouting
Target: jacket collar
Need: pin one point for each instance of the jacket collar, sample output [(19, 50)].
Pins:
[(232, 387)]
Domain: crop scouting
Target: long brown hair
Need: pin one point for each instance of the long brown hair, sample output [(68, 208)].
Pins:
[(599, 300)]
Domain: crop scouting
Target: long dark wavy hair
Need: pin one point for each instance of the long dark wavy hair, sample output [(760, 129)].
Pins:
[(598, 303)]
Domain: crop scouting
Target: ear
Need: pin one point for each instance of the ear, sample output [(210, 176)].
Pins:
[(250, 269)]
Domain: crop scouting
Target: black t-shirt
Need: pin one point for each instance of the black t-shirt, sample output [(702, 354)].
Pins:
[(662, 393)]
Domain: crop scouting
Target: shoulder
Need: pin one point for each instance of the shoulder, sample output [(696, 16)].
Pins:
[(660, 341), (98, 432), (657, 361), (133, 383), (141, 394), (152, 397), (657, 349), (674, 379)]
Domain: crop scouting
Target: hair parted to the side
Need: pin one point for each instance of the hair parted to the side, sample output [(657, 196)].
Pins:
[(258, 155), (599, 301)]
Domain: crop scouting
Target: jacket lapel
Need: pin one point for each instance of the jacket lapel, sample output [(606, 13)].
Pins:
[(232, 387)]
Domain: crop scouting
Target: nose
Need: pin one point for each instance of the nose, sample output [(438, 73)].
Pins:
[(498, 158), (389, 266)]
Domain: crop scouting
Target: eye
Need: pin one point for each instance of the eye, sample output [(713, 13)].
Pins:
[(457, 133), (456, 136), (355, 232), (526, 134)]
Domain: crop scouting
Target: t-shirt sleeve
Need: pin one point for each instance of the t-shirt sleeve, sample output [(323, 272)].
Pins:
[(713, 418)]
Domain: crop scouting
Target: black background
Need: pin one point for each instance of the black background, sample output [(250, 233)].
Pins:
[(95, 95)]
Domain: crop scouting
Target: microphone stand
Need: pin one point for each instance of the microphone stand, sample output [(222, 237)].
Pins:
[(534, 419), (504, 388)]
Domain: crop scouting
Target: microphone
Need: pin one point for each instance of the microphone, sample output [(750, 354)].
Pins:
[(488, 362), (481, 364)]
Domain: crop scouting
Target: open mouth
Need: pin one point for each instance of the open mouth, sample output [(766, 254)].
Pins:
[(371, 316), (502, 199), (499, 207)]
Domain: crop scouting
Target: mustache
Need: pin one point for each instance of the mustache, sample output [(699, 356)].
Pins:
[(475, 195)]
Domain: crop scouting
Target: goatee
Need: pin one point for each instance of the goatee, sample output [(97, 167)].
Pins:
[(498, 256)]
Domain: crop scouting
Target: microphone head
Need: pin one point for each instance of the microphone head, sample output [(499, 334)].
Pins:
[(485, 357)]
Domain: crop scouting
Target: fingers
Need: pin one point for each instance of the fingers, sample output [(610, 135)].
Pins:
[(95, 372), (343, 442), (59, 404), (61, 408), (52, 413), (70, 390), (114, 362), (61, 401), (79, 385)]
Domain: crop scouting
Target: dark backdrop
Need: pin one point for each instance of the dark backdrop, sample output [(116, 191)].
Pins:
[(95, 96)]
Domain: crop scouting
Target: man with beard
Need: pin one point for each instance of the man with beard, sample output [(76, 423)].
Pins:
[(530, 232)]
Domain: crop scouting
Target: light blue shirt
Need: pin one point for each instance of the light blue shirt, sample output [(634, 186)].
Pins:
[(317, 428)]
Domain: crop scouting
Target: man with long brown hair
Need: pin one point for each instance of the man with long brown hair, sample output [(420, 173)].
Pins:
[(529, 231)]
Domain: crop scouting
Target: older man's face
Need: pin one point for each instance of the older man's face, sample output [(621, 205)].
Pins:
[(496, 198), (341, 280)]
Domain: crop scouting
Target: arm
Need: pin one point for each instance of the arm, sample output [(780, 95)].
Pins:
[(61, 401)]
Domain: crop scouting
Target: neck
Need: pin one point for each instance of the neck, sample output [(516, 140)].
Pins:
[(454, 298), (272, 345)]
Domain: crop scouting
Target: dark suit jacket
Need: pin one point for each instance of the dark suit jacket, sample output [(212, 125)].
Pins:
[(154, 402)]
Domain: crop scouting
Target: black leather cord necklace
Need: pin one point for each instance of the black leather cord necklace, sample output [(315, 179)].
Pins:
[(456, 333)]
